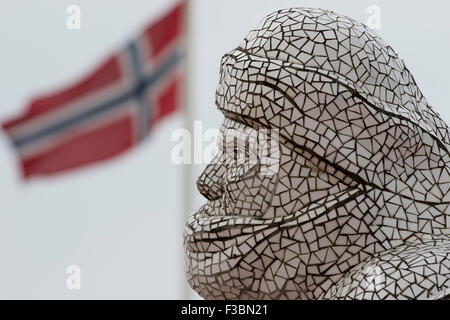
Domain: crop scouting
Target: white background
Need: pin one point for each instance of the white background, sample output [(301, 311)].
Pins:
[(121, 221)]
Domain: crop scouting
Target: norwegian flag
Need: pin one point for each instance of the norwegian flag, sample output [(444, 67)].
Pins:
[(110, 110)]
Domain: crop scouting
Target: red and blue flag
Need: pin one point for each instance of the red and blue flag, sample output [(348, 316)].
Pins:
[(110, 110)]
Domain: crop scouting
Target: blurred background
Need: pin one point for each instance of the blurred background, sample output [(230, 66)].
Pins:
[(121, 220)]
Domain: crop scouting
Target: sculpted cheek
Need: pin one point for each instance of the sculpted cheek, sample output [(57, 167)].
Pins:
[(249, 193)]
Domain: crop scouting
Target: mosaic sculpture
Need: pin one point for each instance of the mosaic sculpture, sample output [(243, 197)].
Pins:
[(354, 202)]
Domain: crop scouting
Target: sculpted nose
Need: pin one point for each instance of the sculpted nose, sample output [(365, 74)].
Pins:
[(210, 182)]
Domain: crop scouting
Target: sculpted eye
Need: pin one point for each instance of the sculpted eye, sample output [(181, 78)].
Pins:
[(239, 172), (240, 163), (236, 151)]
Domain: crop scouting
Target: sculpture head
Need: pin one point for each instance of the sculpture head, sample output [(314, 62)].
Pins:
[(339, 157)]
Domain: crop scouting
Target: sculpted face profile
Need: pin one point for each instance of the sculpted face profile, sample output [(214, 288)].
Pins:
[(337, 182)]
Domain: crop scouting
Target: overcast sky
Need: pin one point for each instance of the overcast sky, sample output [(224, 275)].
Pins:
[(121, 221)]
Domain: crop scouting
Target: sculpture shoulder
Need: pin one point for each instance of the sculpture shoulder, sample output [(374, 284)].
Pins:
[(411, 271)]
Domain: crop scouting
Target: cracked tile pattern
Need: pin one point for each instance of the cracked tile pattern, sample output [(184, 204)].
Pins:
[(332, 175)]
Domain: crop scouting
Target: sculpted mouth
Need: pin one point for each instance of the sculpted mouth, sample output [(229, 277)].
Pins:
[(206, 233)]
